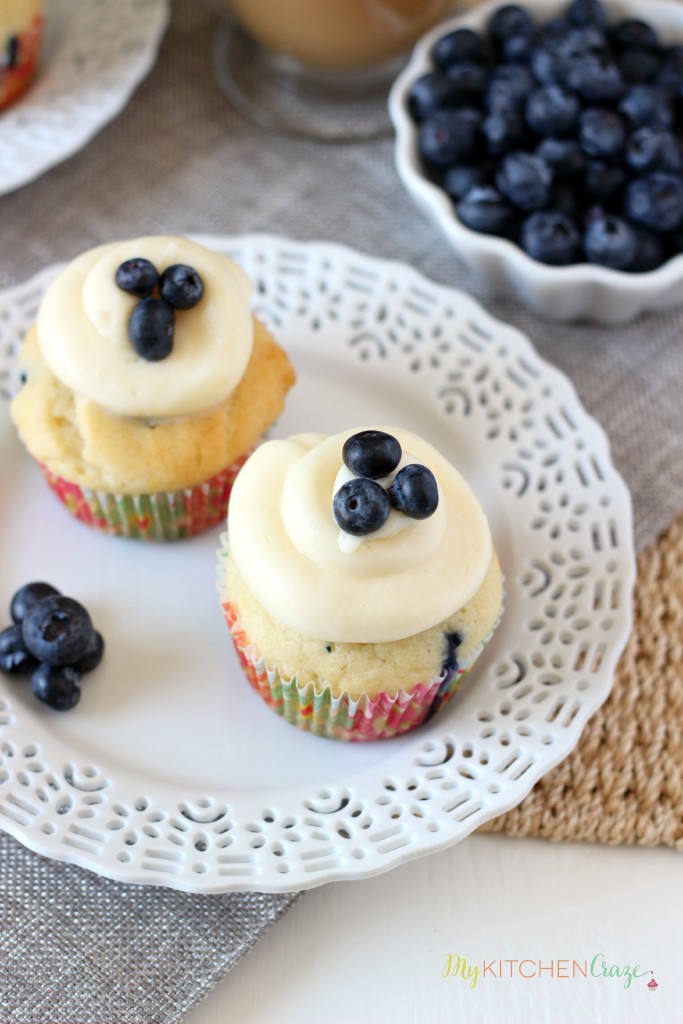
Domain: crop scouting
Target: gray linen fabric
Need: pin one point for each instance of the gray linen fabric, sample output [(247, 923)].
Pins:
[(74, 948)]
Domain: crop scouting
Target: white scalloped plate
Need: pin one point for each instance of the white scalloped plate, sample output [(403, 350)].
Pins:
[(171, 770), (95, 53)]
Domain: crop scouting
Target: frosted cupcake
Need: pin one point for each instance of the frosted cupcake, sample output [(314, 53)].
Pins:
[(21, 28), (358, 579), (147, 384)]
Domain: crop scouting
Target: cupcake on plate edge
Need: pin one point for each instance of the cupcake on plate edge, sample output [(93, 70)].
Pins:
[(358, 579), (147, 383), (21, 30)]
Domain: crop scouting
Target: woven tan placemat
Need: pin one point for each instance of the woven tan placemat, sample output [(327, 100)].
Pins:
[(624, 782)]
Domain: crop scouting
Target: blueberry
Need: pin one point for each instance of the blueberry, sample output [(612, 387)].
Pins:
[(546, 65), (469, 80), (518, 47), (485, 210), (449, 136), (57, 630), (509, 86), (459, 179), (57, 687), (638, 65), (649, 106), (634, 32), (554, 32), (670, 74), (656, 201), (29, 595), (603, 182), (602, 133), (564, 157), (552, 110), (138, 277), (181, 286), (92, 655), (611, 242), (415, 492), (509, 21), (15, 659), (150, 329), (582, 42), (649, 252), (650, 150), (462, 44), (551, 237), (597, 79), (503, 131), (449, 667), (525, 180), (12, 52), (429, 93), (371, 453), (361, 506), (588, 12)]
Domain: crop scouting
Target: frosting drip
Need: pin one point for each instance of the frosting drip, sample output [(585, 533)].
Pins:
[(83, 332), (396, 582)]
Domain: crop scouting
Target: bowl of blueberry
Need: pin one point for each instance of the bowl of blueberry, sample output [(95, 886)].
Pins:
[(546, 141)]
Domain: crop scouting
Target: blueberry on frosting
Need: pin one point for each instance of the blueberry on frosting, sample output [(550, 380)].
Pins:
[(361, 506), (137, 277), (150, 329), (181, 286), (372, 454), (152, 322), (415, 492)]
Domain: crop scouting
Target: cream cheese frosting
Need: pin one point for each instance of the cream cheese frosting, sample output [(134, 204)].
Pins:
[(393, 584), (83, 332), (17, 15)]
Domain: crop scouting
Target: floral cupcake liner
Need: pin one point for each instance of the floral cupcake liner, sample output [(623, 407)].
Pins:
[(19, 71), (342, 717), (164, 516)]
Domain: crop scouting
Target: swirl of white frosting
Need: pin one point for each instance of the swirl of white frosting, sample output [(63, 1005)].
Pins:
[(83, 332), (395, 583)]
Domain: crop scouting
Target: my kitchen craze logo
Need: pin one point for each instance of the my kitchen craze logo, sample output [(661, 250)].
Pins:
[(471, 972)]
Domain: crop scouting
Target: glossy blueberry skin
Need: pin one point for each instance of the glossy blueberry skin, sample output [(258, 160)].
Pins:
[(57, 687), (29, 595), (596, 79), (485, 210), (638, 65), (564, 157), (650, 150), (181, 286), (371, 453), (579, 43), (503, 131), (429, 93), (361, 506), (656, 201), (588, 12), (551, 237), (546, 66), (92, 655), (461, 44), (469, 81), (518, 47), (449, 137), (647, 106), (611, 242), (602, 133), (552, 110), (415, 492), (670, 73), (150, 329), (459, 179), (57, 630), (15, 659), (525, 180), (509, 86), (508, 21), (137, 277)]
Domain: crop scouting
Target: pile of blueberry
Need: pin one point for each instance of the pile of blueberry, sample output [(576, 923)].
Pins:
[(362, 505), (52, 640), (152, 322), (564, 137)]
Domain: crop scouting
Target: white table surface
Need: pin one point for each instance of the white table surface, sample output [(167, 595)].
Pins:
[(373, 951)]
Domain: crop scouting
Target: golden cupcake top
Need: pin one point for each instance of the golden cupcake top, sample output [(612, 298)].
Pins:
[(154, 327), (364, 537)]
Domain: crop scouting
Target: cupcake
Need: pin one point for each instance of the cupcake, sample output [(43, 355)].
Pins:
[(358, 579), (147, 383), (21, 27)]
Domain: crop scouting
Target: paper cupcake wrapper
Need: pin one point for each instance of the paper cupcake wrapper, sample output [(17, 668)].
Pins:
[(15, 79), (164, 516), (342, 717)]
